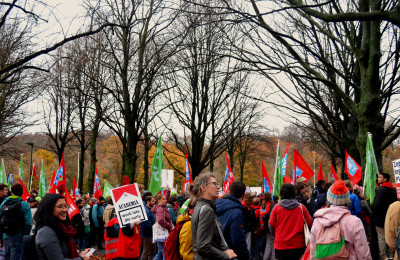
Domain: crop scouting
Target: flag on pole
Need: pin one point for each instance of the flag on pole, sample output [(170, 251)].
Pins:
[(156, 167), (301, 171), (21, 169), (72, 208), (25, 194), (96, 189), (52, 187), (3, 177), (278, 177), (371, 171), (228, 176), (33, 173), (42, 182), (333, 173), (286, 178), (125, 180), (61, 177), (352, 169), (267, 184), (107, 189), (188, 179), (10, 180), (75, 190), (320, 173)]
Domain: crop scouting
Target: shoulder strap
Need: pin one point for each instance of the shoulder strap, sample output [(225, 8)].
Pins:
[(221, 234), (302, 213)]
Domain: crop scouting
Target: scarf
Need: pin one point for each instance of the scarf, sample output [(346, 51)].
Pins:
[(387, 184), (68, 232)]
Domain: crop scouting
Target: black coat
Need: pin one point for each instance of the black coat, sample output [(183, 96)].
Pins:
[(384, 197)]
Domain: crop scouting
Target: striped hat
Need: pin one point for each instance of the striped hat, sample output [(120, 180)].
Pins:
[(338, 194)]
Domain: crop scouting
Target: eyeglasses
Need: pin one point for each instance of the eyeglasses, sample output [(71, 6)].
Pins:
[(60, 206), (215, 183)]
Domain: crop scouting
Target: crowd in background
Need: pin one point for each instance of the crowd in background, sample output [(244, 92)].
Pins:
[(239, 225)]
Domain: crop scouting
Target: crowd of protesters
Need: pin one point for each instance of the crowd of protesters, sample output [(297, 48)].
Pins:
[(239, 225)]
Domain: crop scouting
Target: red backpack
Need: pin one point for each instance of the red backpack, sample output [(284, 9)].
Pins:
[(171, 246)]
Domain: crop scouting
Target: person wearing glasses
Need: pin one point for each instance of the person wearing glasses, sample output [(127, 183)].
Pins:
[(208, 240), (54, 231)]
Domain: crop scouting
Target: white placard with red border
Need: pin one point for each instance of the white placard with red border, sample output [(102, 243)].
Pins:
[(128, 204), (396, 170)]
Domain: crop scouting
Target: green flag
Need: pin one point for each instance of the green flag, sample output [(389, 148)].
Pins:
[(107, 189), (42, 182), (156, 167), (371, 171), (3, 178), (278, 176), (21, 169)]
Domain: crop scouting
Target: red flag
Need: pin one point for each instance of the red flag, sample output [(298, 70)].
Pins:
[(286, 178), (75, 191), (61, 177), (125, 180), (73, 209), (267, 184), (352, 169), (188, 178), (25, 194), (302, 172), (228, 176), (52, 187), (320, 173), (96, 190), (333, 173), (34, 172)]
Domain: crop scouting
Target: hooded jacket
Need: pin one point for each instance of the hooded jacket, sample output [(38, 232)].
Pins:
[(288, 224), (146, 227), (316, 199), (185, 237), (385, 196), (230, 213), (351, 226), (162, 216)]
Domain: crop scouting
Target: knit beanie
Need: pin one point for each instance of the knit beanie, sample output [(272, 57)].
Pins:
[(338, 194)]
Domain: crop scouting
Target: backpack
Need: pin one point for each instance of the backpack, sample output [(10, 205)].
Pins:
[(171, 247), (29, 248), (11, 217), (252, 223), (330, 243)]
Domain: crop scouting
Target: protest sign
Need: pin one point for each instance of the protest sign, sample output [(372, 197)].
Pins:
[(396, 170), (128, 204), (167, 178)]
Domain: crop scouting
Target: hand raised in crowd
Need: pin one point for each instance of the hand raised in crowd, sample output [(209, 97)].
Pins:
[(230, 253), (136, 222)]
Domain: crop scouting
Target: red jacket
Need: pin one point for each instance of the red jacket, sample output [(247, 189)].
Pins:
[(288, 224)]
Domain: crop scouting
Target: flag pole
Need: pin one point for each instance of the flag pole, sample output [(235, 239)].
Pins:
[(78, 170), (30, 177), (276, 166)]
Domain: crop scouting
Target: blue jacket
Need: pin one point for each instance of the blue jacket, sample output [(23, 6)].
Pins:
[(97, 212), (26, 211), (171, 211), (230, 213), (146, 227), (355, 207)]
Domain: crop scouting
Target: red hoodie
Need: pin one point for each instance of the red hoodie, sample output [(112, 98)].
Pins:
[(288, 223)]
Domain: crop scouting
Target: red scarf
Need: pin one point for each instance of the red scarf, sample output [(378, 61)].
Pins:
[(387, 184), (69, 231)]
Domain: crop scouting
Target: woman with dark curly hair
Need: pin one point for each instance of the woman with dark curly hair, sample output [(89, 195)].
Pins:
[(54, 231)]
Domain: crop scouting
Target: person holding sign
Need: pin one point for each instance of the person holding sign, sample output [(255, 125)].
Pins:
[(163, 219)]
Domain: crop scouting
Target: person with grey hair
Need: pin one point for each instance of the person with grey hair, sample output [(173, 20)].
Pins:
[(208, 240)]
